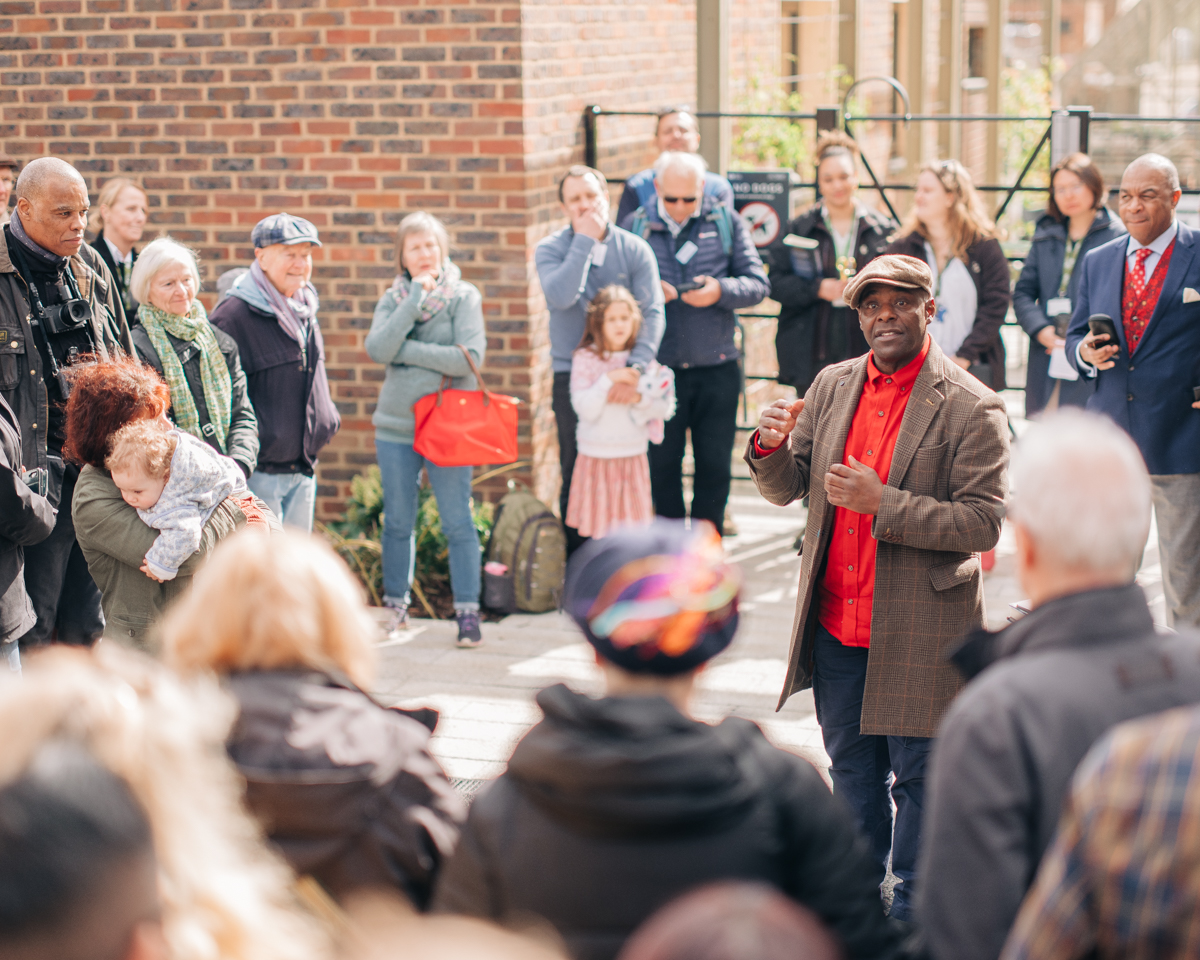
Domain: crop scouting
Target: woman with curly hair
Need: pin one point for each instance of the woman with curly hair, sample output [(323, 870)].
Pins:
[(949, 229), (814, 259), (221, 894), (104, 398)]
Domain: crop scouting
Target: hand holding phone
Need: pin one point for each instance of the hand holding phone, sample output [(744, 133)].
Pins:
[(688, 285), (1101, 344)]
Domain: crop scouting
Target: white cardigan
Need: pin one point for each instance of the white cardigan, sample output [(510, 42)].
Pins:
[(611, 430)]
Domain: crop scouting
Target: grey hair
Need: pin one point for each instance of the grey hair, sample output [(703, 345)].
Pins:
[(38, 173), (421, 222), (1156, 161), (1081, 491), (677, 160), (156, 255)]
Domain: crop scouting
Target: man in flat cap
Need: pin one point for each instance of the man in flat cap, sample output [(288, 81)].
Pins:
[(903, 456), (271, 311)]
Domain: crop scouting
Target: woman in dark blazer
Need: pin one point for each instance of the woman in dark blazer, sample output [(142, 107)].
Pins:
[(810, 264), (950, 231), (119, 217), (1076, 222)]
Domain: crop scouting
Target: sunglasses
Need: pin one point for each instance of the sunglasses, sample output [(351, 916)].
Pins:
[(679, 199)]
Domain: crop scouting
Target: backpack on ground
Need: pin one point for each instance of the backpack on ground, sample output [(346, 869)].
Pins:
[(529, 543)]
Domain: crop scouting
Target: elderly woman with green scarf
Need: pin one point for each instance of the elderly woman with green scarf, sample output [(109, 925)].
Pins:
[(198, 362)]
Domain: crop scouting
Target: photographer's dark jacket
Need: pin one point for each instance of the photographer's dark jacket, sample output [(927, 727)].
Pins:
[(23, 379), (813, 333)]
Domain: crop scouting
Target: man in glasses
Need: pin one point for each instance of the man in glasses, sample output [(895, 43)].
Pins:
[(675, 130), (709, 268)]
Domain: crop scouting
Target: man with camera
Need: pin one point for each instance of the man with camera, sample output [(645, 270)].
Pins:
[(58, 307), (1136, 330), (708, 268)]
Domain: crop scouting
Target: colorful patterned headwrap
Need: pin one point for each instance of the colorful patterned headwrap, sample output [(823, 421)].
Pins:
[(658, 599)]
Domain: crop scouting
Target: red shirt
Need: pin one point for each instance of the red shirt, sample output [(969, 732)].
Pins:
[(845, 593)]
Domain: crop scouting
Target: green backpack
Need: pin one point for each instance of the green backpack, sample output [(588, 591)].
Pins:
[(528, 540)]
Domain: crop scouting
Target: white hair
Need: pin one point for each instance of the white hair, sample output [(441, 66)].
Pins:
[(1081, 491), (676, 161), (158, 254)]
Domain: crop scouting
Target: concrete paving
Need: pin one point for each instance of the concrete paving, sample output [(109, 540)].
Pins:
[(486, 695)]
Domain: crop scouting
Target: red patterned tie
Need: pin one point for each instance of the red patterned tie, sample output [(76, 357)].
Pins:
[(1137, 278)]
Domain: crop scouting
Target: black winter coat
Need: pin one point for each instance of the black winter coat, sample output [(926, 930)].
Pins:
[(612, 808), (296, 413), (1038, 285), (242, 442), (989, 270), (812, 332), (345, 788), (25, 519), (121, 277)]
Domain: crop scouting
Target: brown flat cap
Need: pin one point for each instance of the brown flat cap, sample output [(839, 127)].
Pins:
[(11, 162), (893, 270)]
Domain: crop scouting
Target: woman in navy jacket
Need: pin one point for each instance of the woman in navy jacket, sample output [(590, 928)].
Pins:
[(811, 263), (1076, 221)]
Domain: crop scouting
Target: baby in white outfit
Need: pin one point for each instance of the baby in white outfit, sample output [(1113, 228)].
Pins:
[(175, 482)]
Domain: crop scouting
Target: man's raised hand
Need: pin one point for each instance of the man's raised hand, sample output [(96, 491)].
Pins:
[(777, 422)]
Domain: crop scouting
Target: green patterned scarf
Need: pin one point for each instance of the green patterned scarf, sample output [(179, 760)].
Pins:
[(214, 372)]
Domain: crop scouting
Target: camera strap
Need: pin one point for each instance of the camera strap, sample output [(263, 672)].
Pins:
[(38, 320)]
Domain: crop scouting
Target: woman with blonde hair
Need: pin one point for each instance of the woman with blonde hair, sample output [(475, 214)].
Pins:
[(223, 895), (950, 230), (345, 788), (814, 259), (199, 362), (424, 327), (118, 219)]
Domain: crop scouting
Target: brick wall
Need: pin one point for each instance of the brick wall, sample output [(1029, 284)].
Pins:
[(351, 113)]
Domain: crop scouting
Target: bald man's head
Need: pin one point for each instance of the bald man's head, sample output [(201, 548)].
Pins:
[(52, 203), (1149, 193), (40, 173)]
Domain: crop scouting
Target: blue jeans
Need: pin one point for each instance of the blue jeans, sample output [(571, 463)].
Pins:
[(292, 497), (862, 767), (400, 467)]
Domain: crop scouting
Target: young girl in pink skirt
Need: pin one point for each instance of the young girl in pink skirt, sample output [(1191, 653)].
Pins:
[(610, 487)]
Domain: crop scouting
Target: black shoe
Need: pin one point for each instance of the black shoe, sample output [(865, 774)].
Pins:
[(469, 634)]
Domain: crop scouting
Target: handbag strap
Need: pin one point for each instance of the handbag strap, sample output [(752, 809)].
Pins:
[(487, 394)]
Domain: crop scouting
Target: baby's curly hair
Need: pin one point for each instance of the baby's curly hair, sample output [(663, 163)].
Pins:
[(143, 444)]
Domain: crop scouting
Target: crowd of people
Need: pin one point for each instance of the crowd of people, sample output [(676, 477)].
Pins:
[(217, 780)]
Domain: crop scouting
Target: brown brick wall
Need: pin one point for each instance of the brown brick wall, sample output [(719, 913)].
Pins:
[(351, 113)]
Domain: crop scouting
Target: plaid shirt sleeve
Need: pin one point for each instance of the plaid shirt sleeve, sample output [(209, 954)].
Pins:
[(1119, 876)]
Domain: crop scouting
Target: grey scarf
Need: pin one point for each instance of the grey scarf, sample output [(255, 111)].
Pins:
[(295, 313)]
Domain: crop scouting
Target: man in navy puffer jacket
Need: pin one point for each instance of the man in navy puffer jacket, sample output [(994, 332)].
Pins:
[(695, 240)]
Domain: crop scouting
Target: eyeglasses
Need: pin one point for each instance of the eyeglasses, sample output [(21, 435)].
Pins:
[(679, 199)]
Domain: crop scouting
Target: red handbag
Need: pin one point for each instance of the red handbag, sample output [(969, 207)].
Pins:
[(466, 428)]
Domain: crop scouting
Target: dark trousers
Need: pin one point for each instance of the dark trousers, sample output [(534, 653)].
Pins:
[(862, 767), (64, 596), (706, 403), (566, 419)]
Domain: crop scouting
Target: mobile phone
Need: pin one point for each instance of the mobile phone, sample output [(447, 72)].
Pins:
[(688, 285), (1101, 324)]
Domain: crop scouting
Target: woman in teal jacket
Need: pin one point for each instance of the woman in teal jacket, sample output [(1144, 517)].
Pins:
[(420, 324)]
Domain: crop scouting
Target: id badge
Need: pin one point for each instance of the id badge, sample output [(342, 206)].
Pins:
[(1058, 306), (686, 252)]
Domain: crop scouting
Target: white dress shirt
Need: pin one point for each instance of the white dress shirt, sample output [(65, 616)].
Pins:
[(1158, 246), (125, 259)]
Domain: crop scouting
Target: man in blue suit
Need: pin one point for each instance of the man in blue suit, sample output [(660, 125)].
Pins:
[(1149, 284)]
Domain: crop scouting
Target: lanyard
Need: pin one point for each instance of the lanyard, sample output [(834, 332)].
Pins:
[(1070, 255), (843, 257)]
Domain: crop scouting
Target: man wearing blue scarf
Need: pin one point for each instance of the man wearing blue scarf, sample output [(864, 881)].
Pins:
[(271, 312)]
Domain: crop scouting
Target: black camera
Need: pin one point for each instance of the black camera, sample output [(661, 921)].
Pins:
[(68, 316)]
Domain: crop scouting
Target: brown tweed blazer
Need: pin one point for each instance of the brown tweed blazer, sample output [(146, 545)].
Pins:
[(941, 506)]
